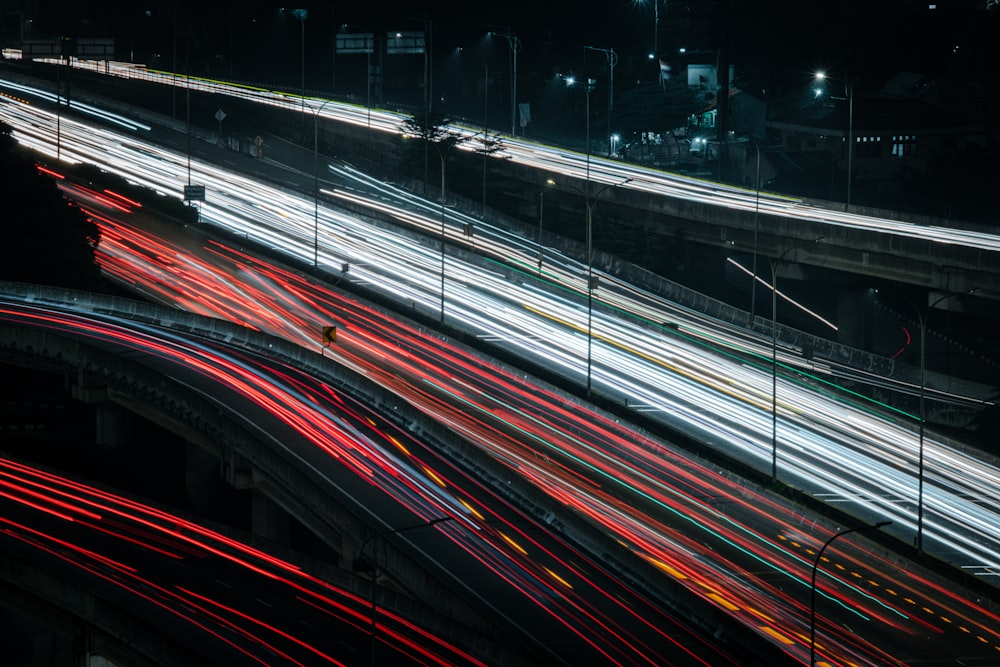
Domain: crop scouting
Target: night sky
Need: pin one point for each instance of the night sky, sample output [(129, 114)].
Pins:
[(889, 33)]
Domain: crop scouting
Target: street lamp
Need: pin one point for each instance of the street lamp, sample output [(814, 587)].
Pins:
[(812, 595), (541, 211), (316, 183), (187, 86), (486, 126), (442, 239), (301, 15), (922, 320), (591, 282), (756, 221), (382, 534), (756, 217), (590, 201), (656, 27), (515, 47), (445, 145), (774, 352), (849, 93), (612, 61)]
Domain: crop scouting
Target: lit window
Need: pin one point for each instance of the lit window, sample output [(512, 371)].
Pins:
[(904, 146)]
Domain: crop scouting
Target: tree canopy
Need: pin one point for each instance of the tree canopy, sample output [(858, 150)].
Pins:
[(432, 129)]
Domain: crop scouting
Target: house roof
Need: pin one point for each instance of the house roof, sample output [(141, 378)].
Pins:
[(871, 114)]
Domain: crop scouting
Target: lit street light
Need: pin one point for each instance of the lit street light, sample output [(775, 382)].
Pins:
[(591, 278), (189, 191), (515, 47), (612, 61), (486, 125), (849, 93), (756, 220), (316, 183), (656, 27), (590, 201), (922, 316), (774, 353), (812, 595), (541, 212), (301, 15)]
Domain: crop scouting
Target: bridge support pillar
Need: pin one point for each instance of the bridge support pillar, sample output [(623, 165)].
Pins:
[(201, 470), (268, 519), (113, 424), (350, 546), (854, 318)]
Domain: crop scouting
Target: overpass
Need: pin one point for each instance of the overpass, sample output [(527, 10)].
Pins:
[(121, 388), (768, 223), (115, 382), (728, 218)]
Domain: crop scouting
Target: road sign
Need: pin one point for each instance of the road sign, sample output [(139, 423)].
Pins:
[(360, 42), (220, 115), (194, 193), (329, 335), (405, 42)]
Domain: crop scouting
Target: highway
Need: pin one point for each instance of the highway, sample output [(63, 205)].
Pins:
[(704, 382), (555, 602), (557, 160), (242, 603), (226, 601), (758, 551), (710, 382)]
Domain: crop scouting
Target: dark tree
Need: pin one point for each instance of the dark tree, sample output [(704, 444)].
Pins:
[(46, 238), (430, 131)]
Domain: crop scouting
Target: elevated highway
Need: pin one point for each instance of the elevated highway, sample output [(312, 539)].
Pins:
[(343, 515), (242, 446), (938, 254)]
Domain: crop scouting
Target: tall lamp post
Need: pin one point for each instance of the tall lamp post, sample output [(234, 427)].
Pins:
[(774, 353), (486, 126), (656, 28), (756, 215), (812, 595), (541, 212), (302, 15), (849, 93), (590, 201), (187, 86), (922, 316), (515, 47), (612, 61), (378, 535), (316, 183)]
